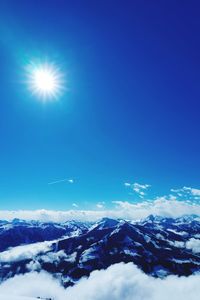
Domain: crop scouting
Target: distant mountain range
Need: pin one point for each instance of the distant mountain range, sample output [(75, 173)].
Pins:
[(71, 250)]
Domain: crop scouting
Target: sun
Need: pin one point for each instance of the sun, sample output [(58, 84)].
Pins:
[(45, 80)]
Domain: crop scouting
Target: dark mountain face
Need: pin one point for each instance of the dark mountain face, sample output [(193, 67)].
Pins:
[(158, 246)]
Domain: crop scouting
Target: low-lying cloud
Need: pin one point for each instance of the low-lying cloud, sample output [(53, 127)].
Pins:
[(33, 285), (120, 281), (7, 297), (194, 245), (25, 251)]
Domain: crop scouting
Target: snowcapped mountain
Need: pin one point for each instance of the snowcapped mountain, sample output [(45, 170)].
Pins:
[(71, 250), (19, 232)]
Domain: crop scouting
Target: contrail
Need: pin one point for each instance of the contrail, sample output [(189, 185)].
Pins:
[(61, 180)]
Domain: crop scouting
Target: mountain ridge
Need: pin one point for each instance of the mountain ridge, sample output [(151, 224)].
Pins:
[(158, 246)]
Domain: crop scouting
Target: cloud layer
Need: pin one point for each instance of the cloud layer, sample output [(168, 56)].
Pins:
[(25, 251), (120, 281), (165, 207)]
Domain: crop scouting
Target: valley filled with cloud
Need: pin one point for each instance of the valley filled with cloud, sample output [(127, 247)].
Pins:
[(120, 281)]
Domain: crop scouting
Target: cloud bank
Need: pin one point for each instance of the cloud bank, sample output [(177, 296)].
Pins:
[(25, 251), (165, 207), (120, 281)]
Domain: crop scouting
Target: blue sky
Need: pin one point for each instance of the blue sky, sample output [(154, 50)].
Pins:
[(130, 112)]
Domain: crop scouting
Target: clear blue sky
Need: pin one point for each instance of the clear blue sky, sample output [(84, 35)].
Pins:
[(131, 111)]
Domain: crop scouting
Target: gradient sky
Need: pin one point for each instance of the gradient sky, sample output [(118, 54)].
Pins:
[(130, 112)]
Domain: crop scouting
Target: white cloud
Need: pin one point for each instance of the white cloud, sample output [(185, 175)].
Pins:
[(126, 282), (6, 297), (33, 285), (120, 281), (100, 205), (187, 192), (25, 251), (172, 197), (195, 192), (161, 206), (127, 184), (194, 245), (138, 188), (30, 251)]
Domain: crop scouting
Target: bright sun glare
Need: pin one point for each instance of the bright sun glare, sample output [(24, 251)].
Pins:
[(45, 80)]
